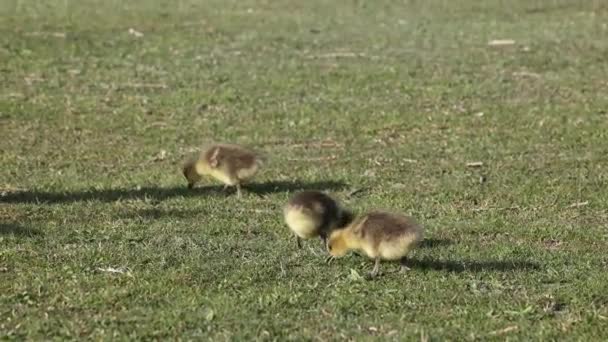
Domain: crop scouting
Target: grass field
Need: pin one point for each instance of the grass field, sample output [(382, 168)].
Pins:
[(101, 101)]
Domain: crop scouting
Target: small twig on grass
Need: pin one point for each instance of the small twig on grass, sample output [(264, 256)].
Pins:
[(332, 157), (157, 124), (338, 55), (144, 85), (516, 207), (124, 271), (526, 74), (505, 330), (578, 204), (328, 143), (501, 42), (135, 33), (47, 34)]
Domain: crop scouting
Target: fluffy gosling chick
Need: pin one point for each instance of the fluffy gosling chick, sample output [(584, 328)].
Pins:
[(379, 235), (230, 164), (313, 213)]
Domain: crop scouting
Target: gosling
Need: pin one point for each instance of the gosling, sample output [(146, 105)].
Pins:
[(312, 213), (380, 235), (232, 165)]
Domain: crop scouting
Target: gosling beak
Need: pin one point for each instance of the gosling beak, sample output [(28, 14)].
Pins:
[(190, 186)]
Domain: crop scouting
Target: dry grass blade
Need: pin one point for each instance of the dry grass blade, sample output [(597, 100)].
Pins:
[(506, 330)]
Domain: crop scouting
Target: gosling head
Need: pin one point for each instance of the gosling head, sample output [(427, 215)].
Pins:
[(337, 246), (191, 174)]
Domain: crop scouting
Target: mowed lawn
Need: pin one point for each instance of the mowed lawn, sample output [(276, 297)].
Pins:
[(498, 148)]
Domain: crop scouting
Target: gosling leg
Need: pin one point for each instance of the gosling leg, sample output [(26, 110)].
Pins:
[(376, 269), (324, 242), (404, 267)]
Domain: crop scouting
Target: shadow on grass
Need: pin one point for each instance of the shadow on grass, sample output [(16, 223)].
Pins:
[(18, 230), (157, 213), (288, 186), (472, 266), (433, 243), (110, 195)]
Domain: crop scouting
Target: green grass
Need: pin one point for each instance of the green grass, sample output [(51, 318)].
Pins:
[(394, 97)]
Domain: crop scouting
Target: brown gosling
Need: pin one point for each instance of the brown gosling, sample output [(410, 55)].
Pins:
[(232, 165), (379, 235), (312, 213)]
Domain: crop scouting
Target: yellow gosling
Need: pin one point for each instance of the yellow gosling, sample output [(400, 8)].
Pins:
[(379, 235), (232, 165)]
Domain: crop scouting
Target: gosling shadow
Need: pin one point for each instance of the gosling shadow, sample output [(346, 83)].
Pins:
[(18, 230), (472, 265), (160, 213), (159, 194), (289, 186), (434, 243), (102, 195)]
